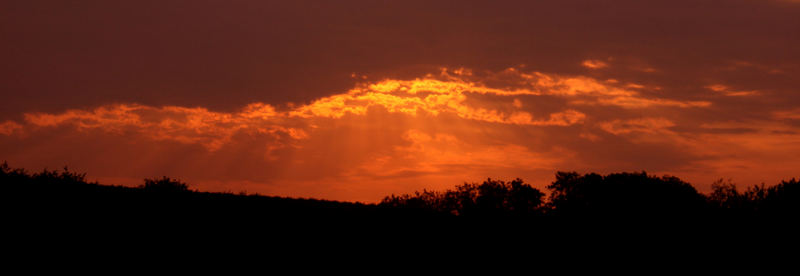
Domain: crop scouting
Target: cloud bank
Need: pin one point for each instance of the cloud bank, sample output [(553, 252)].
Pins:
[(398, 135)]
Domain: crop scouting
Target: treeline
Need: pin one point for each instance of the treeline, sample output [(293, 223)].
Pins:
[(616, 195), (571, 195)]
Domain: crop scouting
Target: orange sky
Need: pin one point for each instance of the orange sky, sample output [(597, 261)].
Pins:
[(361, 100)]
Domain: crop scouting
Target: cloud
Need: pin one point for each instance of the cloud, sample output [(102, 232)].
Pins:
[(793, 114), (727, 91), (394, 135), (181, 124), (213, 129), (450, 93), (9, 127), (593, 91), (642, 125), (428, 96), (594, 64)]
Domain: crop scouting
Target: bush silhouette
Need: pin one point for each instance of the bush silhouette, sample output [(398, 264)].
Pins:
[(164, 185)]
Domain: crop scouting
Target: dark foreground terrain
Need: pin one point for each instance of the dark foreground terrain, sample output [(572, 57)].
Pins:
[(581, 216), (65, 197)]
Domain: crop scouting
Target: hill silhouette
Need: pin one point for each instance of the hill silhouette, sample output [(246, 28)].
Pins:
[(571, 196)]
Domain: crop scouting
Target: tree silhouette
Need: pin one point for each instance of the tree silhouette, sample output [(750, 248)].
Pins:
[(728, 200), (632, 196), (623, 194), (782, 199), (490, 198)]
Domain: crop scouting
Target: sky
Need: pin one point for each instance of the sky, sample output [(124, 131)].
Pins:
[(356, 100)]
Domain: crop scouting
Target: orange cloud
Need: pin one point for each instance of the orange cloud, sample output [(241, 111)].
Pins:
[(215, 129), (599, 92), (724, 90), (429, 96), (639, 102), (643, 125), (594, 64), (449, 95), (369, 140), (8, 127), (186, 125), (766, 152), (793, 114)]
